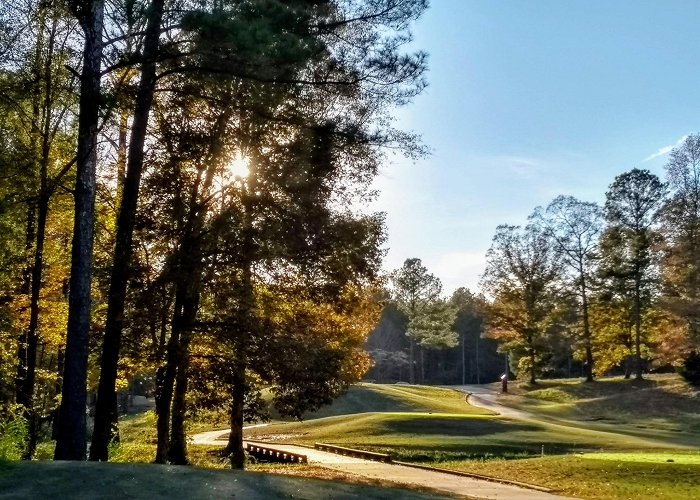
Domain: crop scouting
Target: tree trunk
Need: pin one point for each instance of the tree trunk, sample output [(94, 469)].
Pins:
[(422, 366), (411, 362), (234, 448), (23, 390), (586, 330), (464, 366), (165, 382), (162, 437), (637, 330), (478, 374), (71, 443), (106, 392), (59, 383), (21, 396), (185, 311), (177, 449), (32, 332)]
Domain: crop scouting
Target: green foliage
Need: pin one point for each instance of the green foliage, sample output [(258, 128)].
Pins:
[(433, 326), (13, 432), (523, 274)]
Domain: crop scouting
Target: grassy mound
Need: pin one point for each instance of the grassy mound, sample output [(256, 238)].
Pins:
[(440, 427), (367, 398)]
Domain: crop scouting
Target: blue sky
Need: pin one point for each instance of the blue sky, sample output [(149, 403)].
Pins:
[(529, 100)]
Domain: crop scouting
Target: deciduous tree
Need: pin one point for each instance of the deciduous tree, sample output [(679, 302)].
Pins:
[(574, 227), (523, 275)]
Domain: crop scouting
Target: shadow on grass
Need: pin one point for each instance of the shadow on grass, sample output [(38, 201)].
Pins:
[(468, 427)]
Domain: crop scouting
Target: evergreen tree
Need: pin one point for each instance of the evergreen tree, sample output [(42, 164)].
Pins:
[(632, 208)]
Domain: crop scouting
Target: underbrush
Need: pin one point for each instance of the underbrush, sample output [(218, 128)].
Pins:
[(13, 433)]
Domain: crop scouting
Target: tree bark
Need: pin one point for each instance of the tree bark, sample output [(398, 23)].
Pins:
[(637, 325), (165, 382), (234, 448), (177, 449), (71, 443), (586, 327), (106, 394)]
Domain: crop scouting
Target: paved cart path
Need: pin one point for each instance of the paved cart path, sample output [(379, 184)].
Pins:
[(442, 482)]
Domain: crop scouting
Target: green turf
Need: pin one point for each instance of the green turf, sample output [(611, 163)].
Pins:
[(364, 398), (435, 437), (588, 477), (647, 457), (661, 407)]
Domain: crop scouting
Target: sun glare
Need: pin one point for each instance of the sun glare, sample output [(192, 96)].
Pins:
[(239, 166)]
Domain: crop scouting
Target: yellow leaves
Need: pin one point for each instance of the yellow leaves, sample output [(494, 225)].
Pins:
[(122, 384)]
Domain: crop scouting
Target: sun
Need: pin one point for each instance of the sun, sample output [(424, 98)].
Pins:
[(238, 167)]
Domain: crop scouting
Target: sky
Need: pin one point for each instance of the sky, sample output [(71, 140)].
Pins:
[(528, 100)]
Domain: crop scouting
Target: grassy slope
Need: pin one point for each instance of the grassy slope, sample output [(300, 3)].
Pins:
[(364, 398), (81, 480), (438, 426), (660, 407)]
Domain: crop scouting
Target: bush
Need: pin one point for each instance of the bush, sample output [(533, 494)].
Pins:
[(690, 369), (13, 433)]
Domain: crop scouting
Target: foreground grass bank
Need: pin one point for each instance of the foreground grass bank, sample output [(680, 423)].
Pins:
[(88, 480)]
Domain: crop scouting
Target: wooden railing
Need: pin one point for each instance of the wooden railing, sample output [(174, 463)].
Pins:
[(273, 455), (350, 452)]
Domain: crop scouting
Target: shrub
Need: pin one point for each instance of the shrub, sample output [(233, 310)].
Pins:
[(13, 433), (690, 369)]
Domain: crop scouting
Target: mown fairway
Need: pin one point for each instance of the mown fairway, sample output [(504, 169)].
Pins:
[(587, 476), (432, 424), (608, 440)]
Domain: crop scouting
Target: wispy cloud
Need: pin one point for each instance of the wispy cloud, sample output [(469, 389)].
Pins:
[(522, 166), (666, 149)]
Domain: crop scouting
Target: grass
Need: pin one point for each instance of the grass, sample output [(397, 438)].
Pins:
[(599, 477), (608, 440), (437, 437), (364, 398), (87, 480), (688, 458), (661, 407), (597, 437)]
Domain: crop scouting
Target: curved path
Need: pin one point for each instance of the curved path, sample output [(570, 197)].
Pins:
[(451, 484), (484, 397), (487, 398)]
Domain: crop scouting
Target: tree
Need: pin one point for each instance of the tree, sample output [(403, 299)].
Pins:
[(105, 409), (680, 225), (522, 275), (71, 444), (417, 294), (282, 49), (575, 226), (631, 210), (469, 324)]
